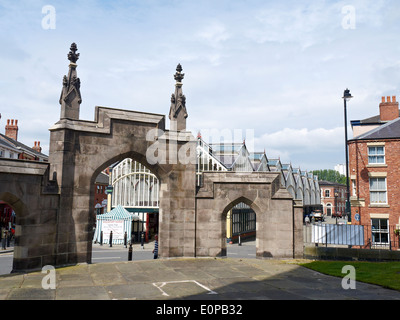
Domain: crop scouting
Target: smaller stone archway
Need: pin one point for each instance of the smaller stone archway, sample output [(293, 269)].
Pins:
[(25, 187), (278, 221), (240, 220), (21, 212)]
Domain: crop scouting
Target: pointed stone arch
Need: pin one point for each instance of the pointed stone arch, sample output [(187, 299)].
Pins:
[(277, 221), (116, 135)]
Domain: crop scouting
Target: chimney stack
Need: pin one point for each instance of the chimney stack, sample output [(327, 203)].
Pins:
[(389, 109), (12, 129), (37, 147)]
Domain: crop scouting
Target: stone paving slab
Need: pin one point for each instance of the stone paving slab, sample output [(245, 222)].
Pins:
[(188, 279)]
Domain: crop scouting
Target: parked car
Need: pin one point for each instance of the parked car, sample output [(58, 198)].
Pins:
[(317, 215)]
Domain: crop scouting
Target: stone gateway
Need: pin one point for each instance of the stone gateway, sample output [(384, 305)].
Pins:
[(53, 201)]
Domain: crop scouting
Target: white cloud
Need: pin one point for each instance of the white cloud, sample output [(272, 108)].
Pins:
[(289, 144), (304, 139), (278, 68), (214, 33)]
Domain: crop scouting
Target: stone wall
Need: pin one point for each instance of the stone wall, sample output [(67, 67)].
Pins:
[(350, 254), (24, 185), (273, 206)]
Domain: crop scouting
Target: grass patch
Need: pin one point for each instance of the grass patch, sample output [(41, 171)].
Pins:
[(385, 274)]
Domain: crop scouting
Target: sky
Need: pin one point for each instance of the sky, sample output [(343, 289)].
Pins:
[(271, 72)]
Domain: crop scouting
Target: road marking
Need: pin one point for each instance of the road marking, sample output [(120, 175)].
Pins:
[(104, 258), (159, 286)]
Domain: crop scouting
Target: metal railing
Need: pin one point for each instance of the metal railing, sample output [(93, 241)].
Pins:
[(357, 236)]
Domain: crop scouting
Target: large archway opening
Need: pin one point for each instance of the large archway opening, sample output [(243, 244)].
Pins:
[(129, 217), (11, 208), (241, 230)]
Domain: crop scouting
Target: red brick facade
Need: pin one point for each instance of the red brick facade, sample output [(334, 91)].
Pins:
[(374, 170), (361, 172), (100, 195), (333, 198)]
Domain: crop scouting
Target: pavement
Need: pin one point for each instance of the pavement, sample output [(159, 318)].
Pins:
[(209, 279)]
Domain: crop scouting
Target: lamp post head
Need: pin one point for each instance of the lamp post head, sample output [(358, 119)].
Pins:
[(347, 95)]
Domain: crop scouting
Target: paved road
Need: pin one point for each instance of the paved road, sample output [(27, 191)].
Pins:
[(6, 260), (104, 253), (187, 279), (239, 278), (118, 253)]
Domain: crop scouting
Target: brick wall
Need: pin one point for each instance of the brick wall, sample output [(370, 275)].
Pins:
[(389, 109), (338, 204), (361, 171)]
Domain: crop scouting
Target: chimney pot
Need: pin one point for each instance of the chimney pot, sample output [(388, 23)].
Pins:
[(389, 109), (11, 129), (37, 147)]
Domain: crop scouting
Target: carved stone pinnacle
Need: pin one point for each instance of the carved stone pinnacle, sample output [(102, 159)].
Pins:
[(179, 76), (72, 55)]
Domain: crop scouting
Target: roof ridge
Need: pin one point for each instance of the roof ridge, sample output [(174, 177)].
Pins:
[(17, 144), (383, 126)]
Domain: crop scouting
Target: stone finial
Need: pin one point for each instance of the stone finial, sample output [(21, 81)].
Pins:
[(70, 98), (179, 76), (72, 55), (178, 112)]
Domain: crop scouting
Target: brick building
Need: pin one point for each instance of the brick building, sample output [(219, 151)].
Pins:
[(374, 162), (333, 198), (100, 196), (11, 148)]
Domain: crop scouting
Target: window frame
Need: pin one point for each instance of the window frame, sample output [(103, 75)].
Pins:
[(354, 187), (378, 191), (329, 209), (379, 232), (376, 155)]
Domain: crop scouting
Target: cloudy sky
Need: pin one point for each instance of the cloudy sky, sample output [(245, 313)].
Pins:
[(273, 70)]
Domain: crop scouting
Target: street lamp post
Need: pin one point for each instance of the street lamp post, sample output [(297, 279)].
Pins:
[(336, 203), (346, 97)]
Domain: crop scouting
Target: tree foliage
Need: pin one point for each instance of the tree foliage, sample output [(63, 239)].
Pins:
[(330, 175)]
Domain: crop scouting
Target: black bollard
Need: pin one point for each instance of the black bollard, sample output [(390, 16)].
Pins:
[(130, 252), (125, 239), (110, 239), (101, 238), (142, 240), (8, 238)]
